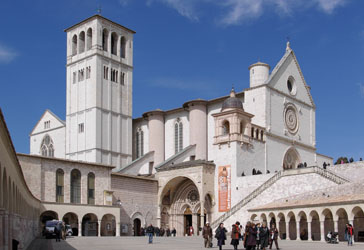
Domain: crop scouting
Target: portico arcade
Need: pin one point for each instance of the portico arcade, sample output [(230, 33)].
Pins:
[(313, 223)]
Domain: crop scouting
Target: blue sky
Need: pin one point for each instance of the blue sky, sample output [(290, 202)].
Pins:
[(187, 49)]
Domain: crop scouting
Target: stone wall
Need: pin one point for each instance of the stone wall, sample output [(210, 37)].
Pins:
[(352, 171), (40, 174), (138, 197)]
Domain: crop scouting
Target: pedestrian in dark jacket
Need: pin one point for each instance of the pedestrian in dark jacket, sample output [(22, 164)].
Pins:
[(273, 236), (251, 241), (235, 235), (257, 228), (246, 233), (150, 233), (264, 236), (220, 235), (207, 235), (174, 232)]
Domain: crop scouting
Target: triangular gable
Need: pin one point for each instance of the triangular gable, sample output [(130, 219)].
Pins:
[(48, 115), (288, 66)]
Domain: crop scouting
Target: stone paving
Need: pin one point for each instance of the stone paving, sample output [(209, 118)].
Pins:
[(177, 243)]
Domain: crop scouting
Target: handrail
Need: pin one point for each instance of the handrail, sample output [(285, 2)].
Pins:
[(323, 172), (247, 199)]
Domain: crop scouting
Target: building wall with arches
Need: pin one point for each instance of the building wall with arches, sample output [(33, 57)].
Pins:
[(19, 208), (40, 174)]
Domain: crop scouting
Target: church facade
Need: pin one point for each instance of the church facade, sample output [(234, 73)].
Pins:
[(219, 160)]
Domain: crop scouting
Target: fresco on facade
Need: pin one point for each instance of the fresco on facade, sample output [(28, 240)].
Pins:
[(224, 188)]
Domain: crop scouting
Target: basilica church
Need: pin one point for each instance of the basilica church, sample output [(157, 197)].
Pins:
[(245, 155)]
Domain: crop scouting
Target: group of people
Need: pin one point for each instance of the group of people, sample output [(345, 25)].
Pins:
[(253, 236), (151, 231)]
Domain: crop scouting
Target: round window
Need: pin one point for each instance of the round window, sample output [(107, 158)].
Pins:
[(291, 119)]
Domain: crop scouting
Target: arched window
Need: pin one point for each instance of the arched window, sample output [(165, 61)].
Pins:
[(91, 189), (242, 128), (75, 186), (105, 39), (225, 128), (74, 45), (81, 43), (47, 148), (89, 39), (122, 47), (139, 143), (59, 186), (114, 43), (178, 136)]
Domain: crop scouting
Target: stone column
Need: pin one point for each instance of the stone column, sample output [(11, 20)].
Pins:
[(79, 229), (298, 232), (117, 229), (287, 231), (99, 227), (156, 134), (202, 213), (322, 230), (309, 231), (195, 223), (159, 209), (336, 226)]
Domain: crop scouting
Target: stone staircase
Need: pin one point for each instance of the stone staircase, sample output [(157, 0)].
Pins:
[(314, 169)]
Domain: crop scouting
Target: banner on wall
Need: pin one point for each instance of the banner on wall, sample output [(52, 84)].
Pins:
[(224, 188)]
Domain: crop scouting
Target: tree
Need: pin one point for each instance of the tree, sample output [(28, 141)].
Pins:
[(341, 160)]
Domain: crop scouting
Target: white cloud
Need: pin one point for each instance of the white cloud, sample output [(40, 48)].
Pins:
[(361, 87), (238, 11), (6, 54)]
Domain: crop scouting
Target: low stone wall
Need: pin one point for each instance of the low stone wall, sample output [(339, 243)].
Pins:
[(353, 171)]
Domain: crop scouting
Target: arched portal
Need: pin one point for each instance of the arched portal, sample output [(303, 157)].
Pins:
[(292, 226), (328, 221), (282, 226), (181, 197), (291, 159), (46, 216), (90, 225), (108, 225), (342, 220), (72, 220), (315, 226), (303, 233), (137, 226), (358, 222)]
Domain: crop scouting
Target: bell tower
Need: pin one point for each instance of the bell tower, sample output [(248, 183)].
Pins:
[(99, 92)]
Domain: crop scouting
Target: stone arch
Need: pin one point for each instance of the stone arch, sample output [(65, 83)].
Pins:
[(328, 219), (263, 218), (358, 221), (314, 218), (75, 181), (74, 45), (342, 219), (291, 158), (123, 43), (225, 127), (5, 191), (89, 39), (303, 225), (253, 217), (10, 196), (105, 39), (281, 226), (137, 222), (108, 225), (271, 219), (90, 225), (47, 215), (292, 226), (72, 220)]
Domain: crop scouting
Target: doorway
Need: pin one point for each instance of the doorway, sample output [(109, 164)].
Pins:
[(187, 220), (137, 225)]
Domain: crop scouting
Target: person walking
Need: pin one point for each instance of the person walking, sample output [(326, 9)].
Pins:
[(235, 235), (246, 233), (174, 232), (349, 231), (58, 232), (257, 227), (251, 241), (273, 236), (220, 235), (150, 233), (264, 236), (207, 235)]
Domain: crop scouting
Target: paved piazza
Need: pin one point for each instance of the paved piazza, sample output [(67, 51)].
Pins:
[(178, 243)]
